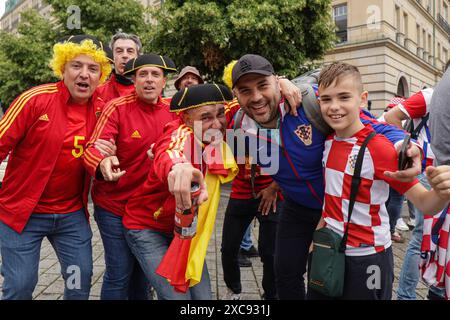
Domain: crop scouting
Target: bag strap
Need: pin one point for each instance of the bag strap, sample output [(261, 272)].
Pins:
[(356, 181), (238, 119), (416, 131), (312, 109)]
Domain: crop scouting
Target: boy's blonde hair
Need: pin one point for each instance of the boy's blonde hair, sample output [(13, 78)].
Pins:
[(335, 71)]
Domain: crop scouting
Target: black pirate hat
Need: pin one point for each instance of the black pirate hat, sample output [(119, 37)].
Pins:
[(200, 95), (149, 60)]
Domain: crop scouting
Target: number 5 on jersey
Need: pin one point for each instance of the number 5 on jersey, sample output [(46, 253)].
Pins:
[(79, 147)]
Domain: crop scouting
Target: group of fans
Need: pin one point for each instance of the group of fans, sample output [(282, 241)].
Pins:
[(138, 154)]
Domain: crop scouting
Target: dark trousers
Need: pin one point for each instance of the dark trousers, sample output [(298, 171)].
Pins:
[(366, 278), (294, 235), (238, 216)]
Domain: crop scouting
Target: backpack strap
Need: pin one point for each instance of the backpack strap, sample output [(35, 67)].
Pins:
[(312, 109), (238, 119)]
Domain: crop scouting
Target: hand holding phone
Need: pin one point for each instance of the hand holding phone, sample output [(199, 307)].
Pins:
[(404, 162)]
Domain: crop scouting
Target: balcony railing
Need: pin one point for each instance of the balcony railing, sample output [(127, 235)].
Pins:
[(444, 24)]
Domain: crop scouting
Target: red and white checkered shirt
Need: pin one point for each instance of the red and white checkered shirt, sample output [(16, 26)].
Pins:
[(369, 226), (416, 107)]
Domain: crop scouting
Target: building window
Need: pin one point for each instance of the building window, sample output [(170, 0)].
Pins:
[(340, 18), (402, 87), (397, 18), (424, 39), (429, 45), (418, 35), (405, 24)]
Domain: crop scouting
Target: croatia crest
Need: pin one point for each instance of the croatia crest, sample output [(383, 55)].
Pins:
[(304, 132), (352, 163)]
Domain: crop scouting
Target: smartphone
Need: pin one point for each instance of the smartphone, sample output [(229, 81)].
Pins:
[(404, 162)]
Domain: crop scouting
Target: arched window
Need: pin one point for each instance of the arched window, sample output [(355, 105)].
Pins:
[(402, 87)]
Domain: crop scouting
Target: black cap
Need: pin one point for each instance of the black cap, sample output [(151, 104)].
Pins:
[(251, 63), (149, 60), (200, 95)]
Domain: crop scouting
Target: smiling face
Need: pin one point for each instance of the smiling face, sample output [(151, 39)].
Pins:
[(149, 83), (212, 119), (123, 51), (340, 104), (259, 97), (81, 77)]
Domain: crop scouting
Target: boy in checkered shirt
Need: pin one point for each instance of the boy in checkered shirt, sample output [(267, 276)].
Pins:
[(369, 261)]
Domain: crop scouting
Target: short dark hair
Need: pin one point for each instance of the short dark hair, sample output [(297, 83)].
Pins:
[(126, 36), (335, 70)]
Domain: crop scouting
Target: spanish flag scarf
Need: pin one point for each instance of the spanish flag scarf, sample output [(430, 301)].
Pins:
[(182, 265)]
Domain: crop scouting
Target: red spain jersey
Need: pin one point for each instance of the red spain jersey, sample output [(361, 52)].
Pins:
[(152, 206), (134, 126), (113, 89), (369, 226), (64, 188), (34, 129)]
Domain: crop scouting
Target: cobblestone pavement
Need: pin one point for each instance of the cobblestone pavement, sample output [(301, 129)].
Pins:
[(50, 285)]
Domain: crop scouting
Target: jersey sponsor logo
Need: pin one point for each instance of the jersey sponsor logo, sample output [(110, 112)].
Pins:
[(304, 133), (157, 213), (44, 117), (136, 135)]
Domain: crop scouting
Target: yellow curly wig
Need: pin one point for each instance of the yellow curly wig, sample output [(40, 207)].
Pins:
[(227, 74), (64, 52)]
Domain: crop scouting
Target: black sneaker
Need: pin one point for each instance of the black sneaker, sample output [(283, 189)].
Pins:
[(243, 260), (251, 253)]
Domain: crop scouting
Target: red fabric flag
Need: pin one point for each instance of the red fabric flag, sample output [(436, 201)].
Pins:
[(174, 263)]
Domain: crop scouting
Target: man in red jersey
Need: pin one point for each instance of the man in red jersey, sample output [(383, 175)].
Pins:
[(149, 216), (124, 47), (44, 192), (133, 122)]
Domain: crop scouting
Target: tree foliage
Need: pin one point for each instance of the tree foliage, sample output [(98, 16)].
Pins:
[(208, 34), (99, 18), (24, 57)]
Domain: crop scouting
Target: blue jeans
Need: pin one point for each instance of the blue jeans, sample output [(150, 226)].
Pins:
[(149, 247), (247, 242), (394, 207), (123, 278), (69, 234), (410, 274)]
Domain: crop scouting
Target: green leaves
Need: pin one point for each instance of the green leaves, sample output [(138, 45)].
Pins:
[(24, 57), (206, 34), (209, 34)]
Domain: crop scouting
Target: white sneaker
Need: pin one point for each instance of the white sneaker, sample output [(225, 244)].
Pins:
[(401, 225), (230, 295)]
